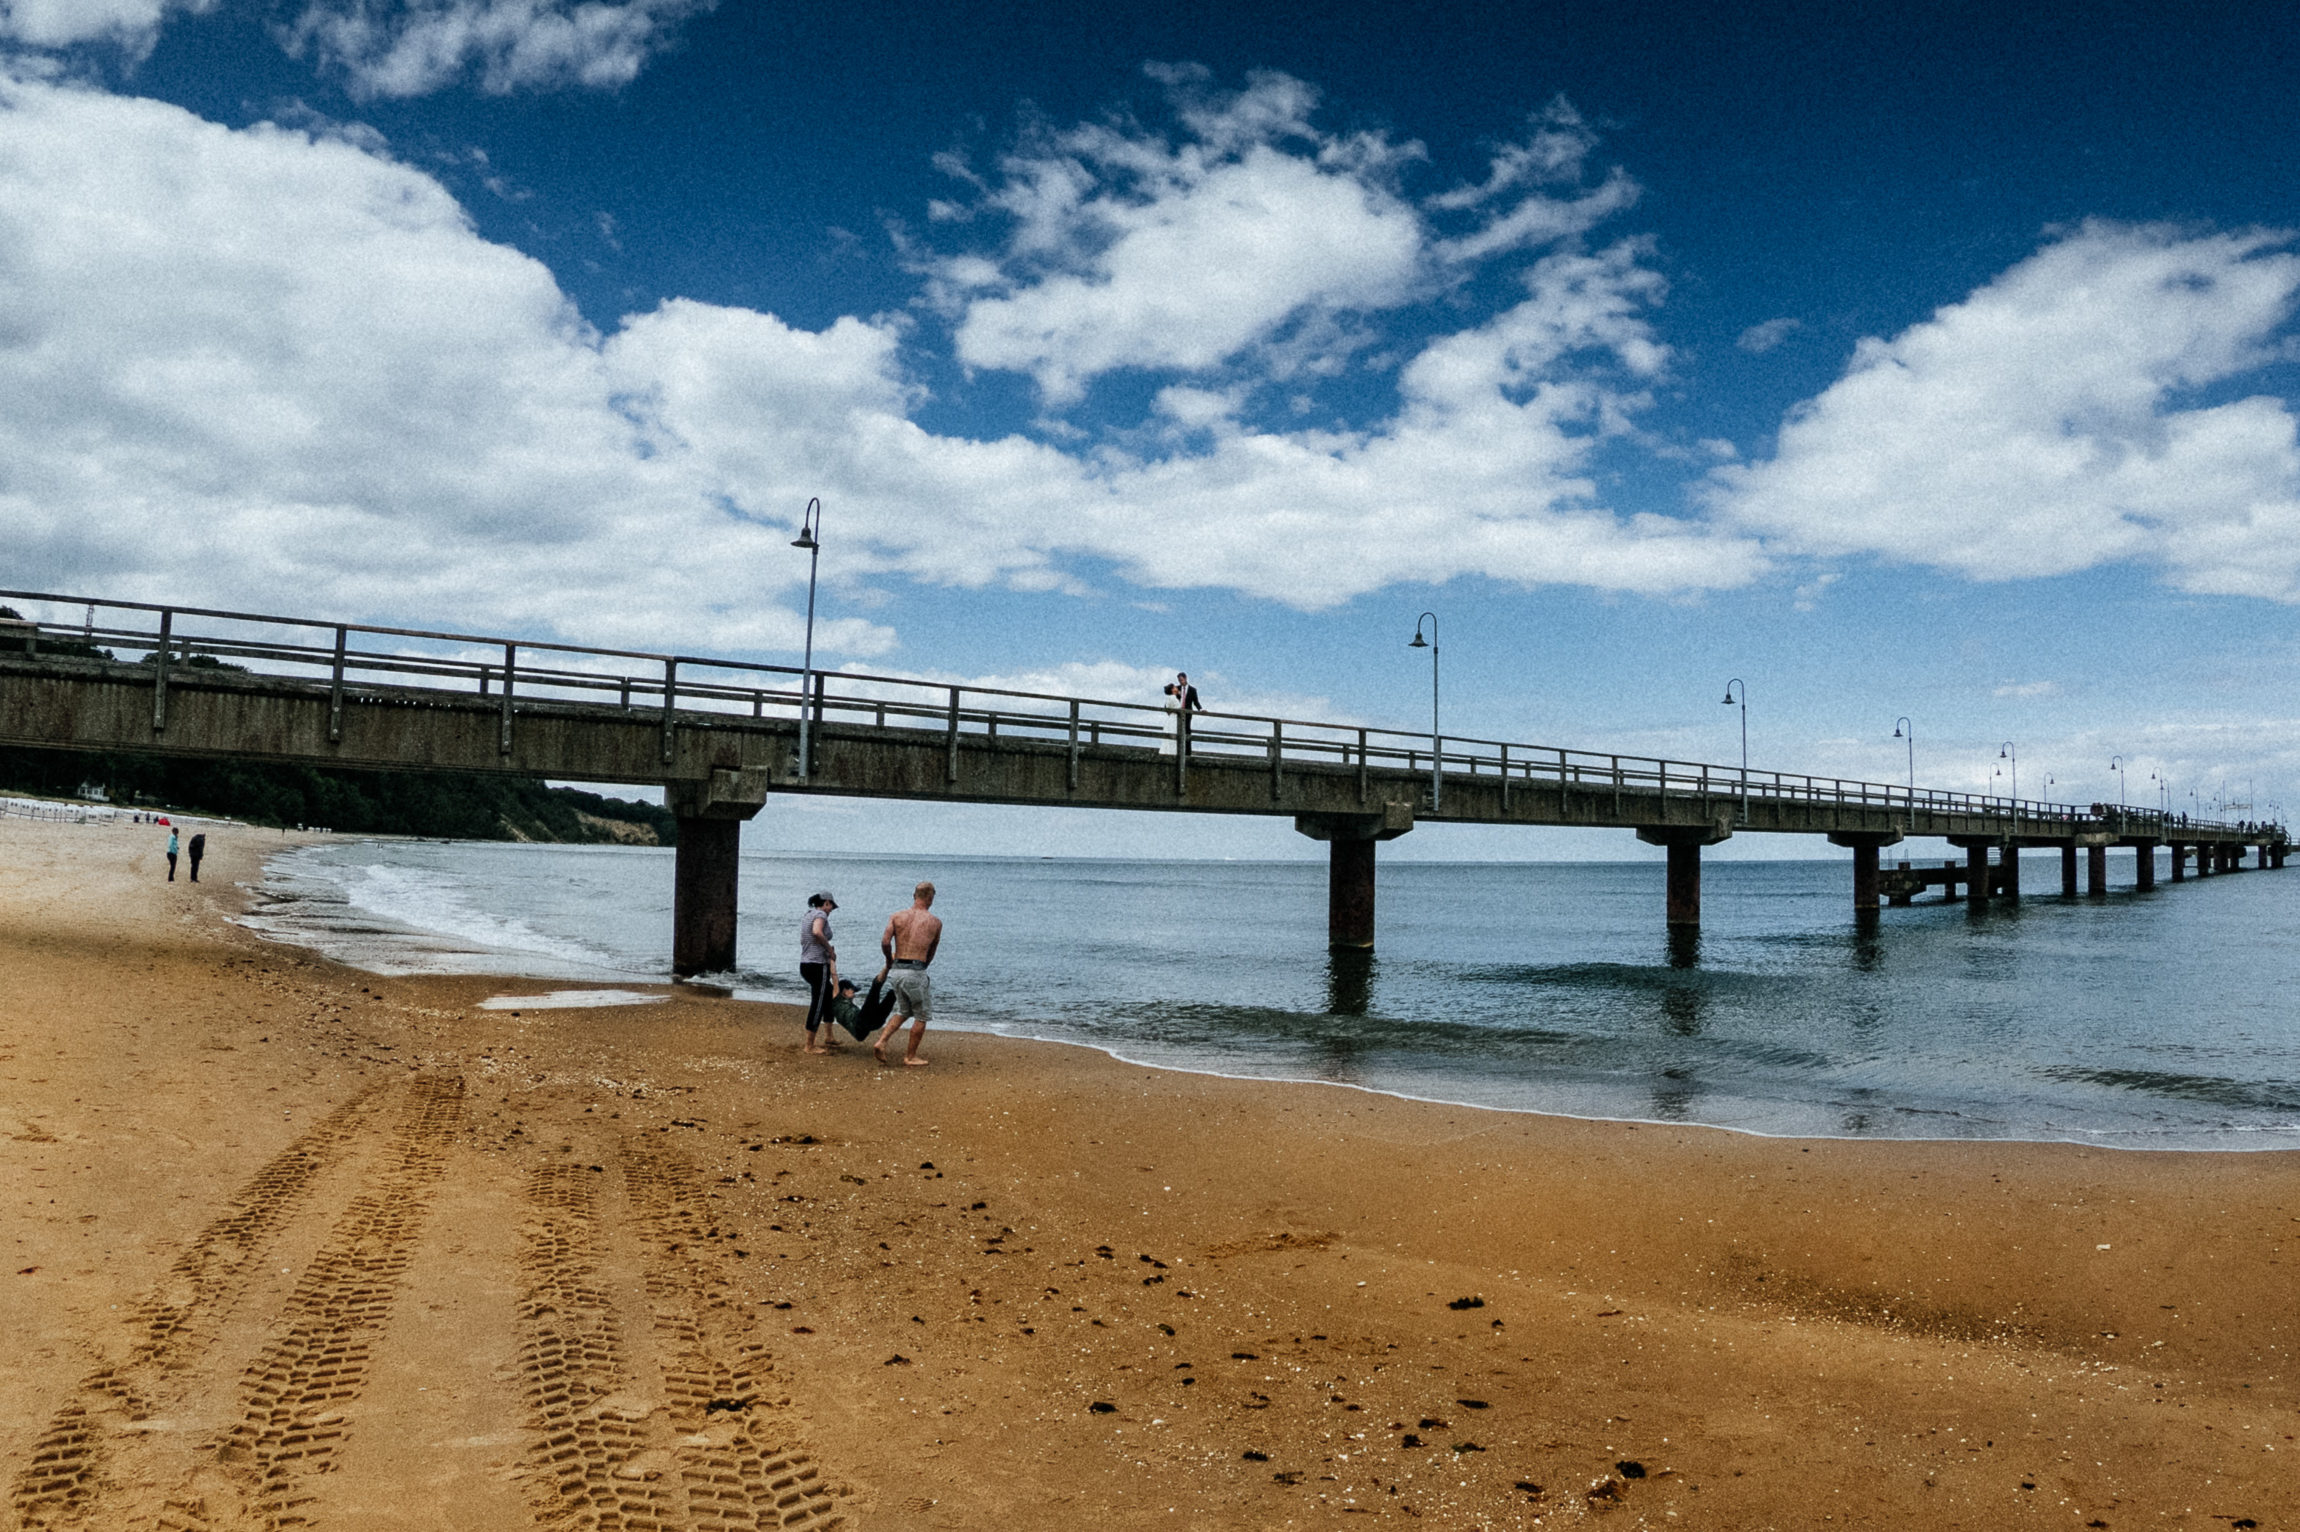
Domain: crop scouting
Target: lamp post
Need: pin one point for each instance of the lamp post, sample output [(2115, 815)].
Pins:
[(2116, 764), (1437, 752), (1903, 729), (810, 539), (2007, 752), (1744, 700)]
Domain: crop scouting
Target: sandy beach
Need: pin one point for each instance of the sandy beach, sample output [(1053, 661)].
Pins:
[(290, 1244)]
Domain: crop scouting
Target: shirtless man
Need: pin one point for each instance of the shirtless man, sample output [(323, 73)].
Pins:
[(909, 942)]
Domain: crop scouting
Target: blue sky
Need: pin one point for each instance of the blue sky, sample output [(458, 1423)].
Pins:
[(1938, 364)]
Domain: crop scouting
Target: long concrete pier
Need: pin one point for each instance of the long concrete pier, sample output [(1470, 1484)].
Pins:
[(722, 736)]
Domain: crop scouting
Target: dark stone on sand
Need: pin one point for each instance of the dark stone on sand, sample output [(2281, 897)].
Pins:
[(1467, 1447), (1431, 1423), (1290, 1476), (1245, 1356), (1409, 1440), (926, 1164), (1467, 1303), (716, 1406), (1630, 1468), (1472, 1404), (897, 1360), (1103, 1407), (1251, 1456), (1528, 1486)]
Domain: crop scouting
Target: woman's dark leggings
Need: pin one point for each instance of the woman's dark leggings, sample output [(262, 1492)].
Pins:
[(817, 976)]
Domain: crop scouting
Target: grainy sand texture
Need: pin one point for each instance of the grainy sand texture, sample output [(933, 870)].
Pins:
[(290, 1245)]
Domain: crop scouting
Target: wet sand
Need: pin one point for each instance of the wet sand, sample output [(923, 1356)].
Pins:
[(291, 1244)]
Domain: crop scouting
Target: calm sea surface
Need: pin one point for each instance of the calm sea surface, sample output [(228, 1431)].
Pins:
[(2163, 1020)]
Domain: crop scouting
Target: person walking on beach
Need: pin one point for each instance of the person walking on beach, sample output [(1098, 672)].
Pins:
[(171, 853), (819, 966), (909, 943), (198, 848)]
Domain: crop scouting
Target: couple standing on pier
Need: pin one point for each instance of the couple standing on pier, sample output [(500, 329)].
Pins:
[(909, 943)]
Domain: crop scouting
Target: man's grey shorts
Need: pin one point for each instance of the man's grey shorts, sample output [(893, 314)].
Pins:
[(911, 997)]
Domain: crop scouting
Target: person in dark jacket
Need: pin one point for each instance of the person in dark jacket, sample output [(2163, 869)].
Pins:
[(198, 848)]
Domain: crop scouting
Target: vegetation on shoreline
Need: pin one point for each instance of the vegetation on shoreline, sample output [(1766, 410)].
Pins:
[(464, 805)]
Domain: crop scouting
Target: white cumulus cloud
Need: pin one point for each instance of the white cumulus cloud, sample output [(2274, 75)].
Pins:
[(1129, 251), (259, 369), (266, 368), (2057, 419), (133, 24), (412, 47)]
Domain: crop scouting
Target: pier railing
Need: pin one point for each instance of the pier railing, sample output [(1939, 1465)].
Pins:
[(358, 660)]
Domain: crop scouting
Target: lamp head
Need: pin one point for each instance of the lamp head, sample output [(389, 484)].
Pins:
[(805, 540), (1896, 731), (1419, 642)]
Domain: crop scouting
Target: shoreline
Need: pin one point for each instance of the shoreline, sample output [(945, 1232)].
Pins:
[(2267, 1138), (975, 1256)]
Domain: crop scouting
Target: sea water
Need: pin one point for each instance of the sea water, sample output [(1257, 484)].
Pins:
[(2161, 1020)]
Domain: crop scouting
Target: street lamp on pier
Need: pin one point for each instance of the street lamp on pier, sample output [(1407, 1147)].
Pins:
[(809, 539), (1744, 702), (1903, 729), (1437, 752), (2116, 764), (2006, 752)]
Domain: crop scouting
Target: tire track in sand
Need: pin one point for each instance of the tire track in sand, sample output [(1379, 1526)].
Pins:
[(740, 1469), (697, 1450), (60, 1484), (292, 1397)]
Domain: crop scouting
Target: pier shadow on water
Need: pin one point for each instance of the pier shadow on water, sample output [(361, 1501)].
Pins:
[(1349, 982)]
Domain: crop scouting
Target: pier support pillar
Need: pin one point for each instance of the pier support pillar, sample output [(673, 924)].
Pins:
[(703, 876), (1977, 874), (703, 896), (2276, 856), (2179, 861), (2008, 870), (2144, 865), (1350, 841), (1350, 895), (1684, 900), (2204, 854), (2068, 870), (2262, 864), (2096, 871), (1865, 878), (1684, 843), (1865, 845)]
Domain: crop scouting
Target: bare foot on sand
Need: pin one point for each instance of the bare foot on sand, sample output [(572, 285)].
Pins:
[(913, 1063)]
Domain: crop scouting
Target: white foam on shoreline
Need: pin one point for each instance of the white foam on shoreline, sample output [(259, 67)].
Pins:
[(569, 1000)]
